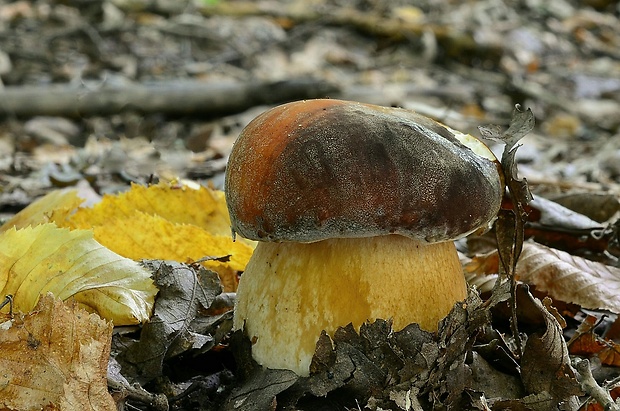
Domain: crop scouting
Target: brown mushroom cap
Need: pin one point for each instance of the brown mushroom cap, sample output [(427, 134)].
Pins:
[(317, 169)]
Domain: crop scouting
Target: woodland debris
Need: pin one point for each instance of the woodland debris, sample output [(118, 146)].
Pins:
[(591, 387), (170, 97)]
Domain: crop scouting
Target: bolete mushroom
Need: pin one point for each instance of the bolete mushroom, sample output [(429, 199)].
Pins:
[(355, 207)]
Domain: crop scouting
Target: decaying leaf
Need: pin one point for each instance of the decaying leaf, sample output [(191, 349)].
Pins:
[(491, 381), (376, 363), (586, 343), (510, 224), (71, 264), (260, 391), (456, 336), (55, 358), (186, 292), (168, 222), (411, 369), (570, 278), (521, 123), (545, 365)]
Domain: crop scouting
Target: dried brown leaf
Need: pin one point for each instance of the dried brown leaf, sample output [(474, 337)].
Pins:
[(586, 343), (570, 278), (545, 365), (185, 292), (56, 356), (521, 123)]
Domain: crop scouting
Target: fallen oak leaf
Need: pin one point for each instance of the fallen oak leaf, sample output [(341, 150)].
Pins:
[(569, 278), (55, 358), (71, 264)]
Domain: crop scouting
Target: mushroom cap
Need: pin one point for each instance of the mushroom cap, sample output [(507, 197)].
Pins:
[(317, 169)]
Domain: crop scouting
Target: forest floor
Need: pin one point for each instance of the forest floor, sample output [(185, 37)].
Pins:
[(100, 94)]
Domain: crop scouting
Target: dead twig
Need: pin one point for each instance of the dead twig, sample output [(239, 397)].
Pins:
[(122, 390), (177, 98), (591, 387), (8, 299)]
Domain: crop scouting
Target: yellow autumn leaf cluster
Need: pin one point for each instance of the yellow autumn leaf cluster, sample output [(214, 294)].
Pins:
[(90, 254), (168, 222)]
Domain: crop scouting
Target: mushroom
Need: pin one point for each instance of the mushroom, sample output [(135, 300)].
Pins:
[(354, 207)]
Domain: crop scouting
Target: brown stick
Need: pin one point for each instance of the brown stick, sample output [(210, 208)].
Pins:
[(177, 98)]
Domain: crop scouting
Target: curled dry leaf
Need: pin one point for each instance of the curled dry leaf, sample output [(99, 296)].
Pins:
[(545, 365), (55, 358), (45, 258), (570, 278), (521, 123)]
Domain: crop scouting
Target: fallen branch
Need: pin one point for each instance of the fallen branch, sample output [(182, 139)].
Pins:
[(177, 98), (591, 387)]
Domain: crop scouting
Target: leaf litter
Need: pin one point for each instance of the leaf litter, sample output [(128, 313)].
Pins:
[(574, 162), (185, 294), (473, 362)]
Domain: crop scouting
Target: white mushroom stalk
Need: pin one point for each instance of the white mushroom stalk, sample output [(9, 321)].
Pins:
[(355, 208), (293, 291)]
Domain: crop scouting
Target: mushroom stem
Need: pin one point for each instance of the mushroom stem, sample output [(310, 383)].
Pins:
[(290, 292)]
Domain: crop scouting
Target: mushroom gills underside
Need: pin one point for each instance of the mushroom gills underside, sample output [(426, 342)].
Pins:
[(290, 292)]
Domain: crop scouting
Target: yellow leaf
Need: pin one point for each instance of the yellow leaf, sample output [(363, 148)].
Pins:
[(55, 357), (143, 236), (171, 222), (45, 258), (55, 206), (181, 204)]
